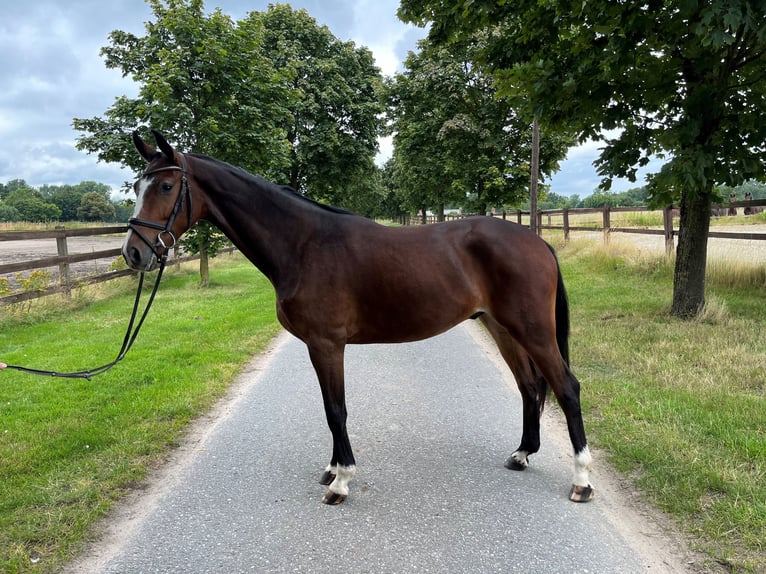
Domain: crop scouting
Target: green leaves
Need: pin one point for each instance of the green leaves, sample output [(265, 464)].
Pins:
[(674, 76), (274, 93), (457, 140), (333, 117)]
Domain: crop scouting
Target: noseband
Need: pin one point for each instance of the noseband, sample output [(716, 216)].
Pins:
[(165, 238)]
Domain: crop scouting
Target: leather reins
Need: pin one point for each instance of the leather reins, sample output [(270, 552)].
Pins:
[(184, 195)]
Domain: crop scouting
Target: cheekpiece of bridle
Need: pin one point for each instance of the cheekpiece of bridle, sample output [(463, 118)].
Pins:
[(165, 238)]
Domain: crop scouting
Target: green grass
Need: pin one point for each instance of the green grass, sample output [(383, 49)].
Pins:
[(70, 448), (678, 407)]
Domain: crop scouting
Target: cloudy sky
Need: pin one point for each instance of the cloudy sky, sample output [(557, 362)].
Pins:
[(51, 72)]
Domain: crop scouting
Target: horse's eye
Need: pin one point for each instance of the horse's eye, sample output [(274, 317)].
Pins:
[(166, 186)]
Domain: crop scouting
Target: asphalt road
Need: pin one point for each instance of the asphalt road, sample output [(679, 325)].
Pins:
[(431, 424)]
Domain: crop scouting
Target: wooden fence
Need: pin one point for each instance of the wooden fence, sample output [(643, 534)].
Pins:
[(67, 279), (668, 230)]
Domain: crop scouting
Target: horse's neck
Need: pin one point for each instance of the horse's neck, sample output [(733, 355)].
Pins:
[(265, 224)]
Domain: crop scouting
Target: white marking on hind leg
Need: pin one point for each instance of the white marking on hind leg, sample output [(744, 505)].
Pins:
[(521, 457), (582, 462), (343, 475)]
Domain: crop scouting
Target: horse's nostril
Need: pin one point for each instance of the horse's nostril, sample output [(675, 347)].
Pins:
[(134, 256)]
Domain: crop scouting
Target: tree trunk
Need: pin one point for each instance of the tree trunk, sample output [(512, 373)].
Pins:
[(534, 178), (691, 255), (204, 265)]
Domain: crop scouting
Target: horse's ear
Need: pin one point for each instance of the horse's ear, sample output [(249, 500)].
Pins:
[(164, 146), (147, 152)]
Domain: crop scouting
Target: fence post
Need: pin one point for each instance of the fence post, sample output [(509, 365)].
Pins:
[(63, 251), (607, 224), (667, 220), (566, 224), (518, 216)]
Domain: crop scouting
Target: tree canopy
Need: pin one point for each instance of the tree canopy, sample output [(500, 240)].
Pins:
[(333, 117), (20, 201), (456, 141)]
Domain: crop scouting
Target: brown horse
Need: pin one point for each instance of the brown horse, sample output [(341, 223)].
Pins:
[(341, 278)]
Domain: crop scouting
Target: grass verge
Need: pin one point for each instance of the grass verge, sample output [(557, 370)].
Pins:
[(70, 448), (679, 407)]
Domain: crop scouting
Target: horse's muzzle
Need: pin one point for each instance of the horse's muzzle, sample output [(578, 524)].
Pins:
[(139, 257)]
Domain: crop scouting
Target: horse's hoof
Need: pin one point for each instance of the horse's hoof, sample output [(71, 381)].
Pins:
[(581, 493), (513, 464), (333, 498), (327, 477)]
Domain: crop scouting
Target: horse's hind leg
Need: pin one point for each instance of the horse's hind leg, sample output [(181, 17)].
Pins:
[(540, 361), (566, 387), (532, 387), (328, 364)]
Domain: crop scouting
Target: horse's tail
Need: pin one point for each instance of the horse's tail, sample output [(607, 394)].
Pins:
[(562, 334), (562, 313)]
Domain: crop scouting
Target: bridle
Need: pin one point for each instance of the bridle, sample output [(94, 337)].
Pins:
[(165, 240)]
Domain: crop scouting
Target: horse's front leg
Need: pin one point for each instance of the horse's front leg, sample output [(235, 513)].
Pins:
[(328, 363)]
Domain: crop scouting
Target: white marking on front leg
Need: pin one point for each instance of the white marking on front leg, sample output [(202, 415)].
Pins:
[(343, 475), (582, 463), (521, 457)]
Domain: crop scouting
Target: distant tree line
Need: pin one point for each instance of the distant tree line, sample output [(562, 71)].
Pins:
[(639, 196), (85, 201)]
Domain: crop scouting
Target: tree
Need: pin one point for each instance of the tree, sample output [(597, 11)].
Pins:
[(65, 197), (30, 205), (94, 207), (9, 213), (680, 79), (206, 82), (11, 186), (332, 120), (418, 171), (458, 141)]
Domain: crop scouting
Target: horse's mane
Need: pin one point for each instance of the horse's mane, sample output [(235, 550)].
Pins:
[(262, 181)]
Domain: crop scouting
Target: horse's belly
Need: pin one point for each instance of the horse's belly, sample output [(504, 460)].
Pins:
[(405, 326)]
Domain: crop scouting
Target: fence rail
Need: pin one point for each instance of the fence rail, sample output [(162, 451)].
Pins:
[(670, 214), (67, 280)]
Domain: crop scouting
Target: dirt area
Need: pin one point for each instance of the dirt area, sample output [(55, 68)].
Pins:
[(31, 249), (748, 250)]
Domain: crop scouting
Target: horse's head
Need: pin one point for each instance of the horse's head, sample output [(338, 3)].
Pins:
[(163, 205)]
